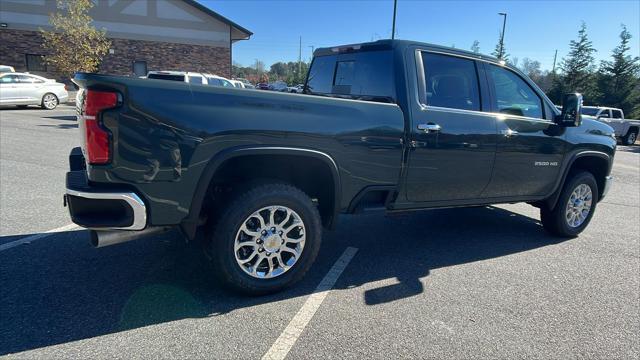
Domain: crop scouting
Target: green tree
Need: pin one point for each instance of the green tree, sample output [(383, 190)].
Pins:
[(618, 78), (475, 47), (74, 44), (500, 52), (578, 69)]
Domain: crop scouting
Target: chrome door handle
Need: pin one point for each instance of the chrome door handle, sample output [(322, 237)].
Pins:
[(509, 133), (429, 127)]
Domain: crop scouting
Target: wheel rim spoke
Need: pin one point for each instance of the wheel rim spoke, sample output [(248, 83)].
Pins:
[(579, 205), (270, 241)]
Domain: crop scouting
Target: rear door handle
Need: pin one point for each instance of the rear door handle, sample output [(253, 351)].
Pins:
[(429, 127)]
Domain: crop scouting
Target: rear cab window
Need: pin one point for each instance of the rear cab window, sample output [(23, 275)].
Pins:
[(365, 75)]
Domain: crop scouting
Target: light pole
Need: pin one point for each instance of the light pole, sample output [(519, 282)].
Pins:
[(504, 24), (393, 28)]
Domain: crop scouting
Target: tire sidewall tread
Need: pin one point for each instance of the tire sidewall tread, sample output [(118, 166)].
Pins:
[(240, 207), (554, 220)]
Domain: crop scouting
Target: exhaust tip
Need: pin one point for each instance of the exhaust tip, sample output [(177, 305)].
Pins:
[(93, 238), (102, 238)]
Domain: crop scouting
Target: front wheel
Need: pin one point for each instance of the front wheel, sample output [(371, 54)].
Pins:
[(49, 101), (630, 138), (575, 206), (267, 239)]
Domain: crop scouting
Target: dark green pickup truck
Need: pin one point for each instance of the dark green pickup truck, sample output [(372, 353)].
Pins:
[(390, 125)]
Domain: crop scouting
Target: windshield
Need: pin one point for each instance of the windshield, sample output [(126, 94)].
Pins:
[(589, 111)]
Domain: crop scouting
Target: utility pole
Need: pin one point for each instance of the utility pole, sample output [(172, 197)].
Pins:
[(504, 24), (312, 50), (300, 59), (554, 62), (393, 28)]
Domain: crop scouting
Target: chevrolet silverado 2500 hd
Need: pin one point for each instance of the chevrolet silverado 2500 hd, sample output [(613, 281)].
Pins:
[(391, 125)]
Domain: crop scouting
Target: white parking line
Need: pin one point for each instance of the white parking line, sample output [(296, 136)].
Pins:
[(289, 336), (35, 237)]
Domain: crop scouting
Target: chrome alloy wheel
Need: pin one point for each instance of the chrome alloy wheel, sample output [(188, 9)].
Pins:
[(269, 242), (50, 101), (579, 205)]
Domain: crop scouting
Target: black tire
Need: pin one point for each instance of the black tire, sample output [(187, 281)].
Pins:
[(258, 196), (49, 104), (554, 220), (630, 138)]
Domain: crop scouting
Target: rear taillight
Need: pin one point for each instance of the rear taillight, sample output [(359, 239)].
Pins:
[(96, 137)]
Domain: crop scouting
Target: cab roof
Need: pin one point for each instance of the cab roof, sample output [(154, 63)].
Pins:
[(389, 44)]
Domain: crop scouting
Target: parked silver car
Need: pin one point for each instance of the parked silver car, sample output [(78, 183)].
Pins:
[(27, 89)]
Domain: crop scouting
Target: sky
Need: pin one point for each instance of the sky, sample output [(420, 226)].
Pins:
[(534, 29)]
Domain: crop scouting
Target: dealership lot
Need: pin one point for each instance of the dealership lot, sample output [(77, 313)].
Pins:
[(457, 283)]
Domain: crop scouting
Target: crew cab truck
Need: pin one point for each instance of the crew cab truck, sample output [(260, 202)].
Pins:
[(625, 129), (391, 125)]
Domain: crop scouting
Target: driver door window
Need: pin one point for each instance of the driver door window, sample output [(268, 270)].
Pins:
[(513, 96)]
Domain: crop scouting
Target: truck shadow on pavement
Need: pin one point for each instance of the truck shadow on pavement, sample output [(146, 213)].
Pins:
[(59, 289)]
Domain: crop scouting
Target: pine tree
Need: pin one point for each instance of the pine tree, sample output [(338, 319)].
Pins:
[(500, 52), (619, 78), (578, 67), (475, 47)]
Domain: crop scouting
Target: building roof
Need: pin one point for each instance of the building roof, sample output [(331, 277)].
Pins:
[(242, 33)]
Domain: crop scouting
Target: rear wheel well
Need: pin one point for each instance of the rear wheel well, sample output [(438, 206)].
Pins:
[(309, 174), (633, 129), (596, 165)]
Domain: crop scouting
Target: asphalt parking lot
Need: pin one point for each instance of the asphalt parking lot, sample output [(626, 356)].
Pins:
[(460, 283)]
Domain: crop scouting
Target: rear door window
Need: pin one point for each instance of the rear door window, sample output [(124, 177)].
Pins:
[(451, 82), (604, 114)]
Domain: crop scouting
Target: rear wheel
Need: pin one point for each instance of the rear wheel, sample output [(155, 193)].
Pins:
[(267, 239), (49, 101), (575, 206), (630, 138)]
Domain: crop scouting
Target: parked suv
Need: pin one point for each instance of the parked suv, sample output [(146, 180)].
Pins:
[(391, 125)]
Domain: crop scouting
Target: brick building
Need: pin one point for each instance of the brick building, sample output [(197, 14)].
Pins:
[(145, 35)]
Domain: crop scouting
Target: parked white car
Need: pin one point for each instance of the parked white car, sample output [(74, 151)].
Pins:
[(6, 69), (184, 76), (237, 83), (215, 80), (23, 89), (625, 129), (190, 77)]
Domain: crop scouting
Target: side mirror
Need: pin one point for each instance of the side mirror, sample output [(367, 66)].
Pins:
[(571, 115)]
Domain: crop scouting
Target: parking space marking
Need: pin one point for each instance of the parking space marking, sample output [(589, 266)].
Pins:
[(35, 237), (289, 336)]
